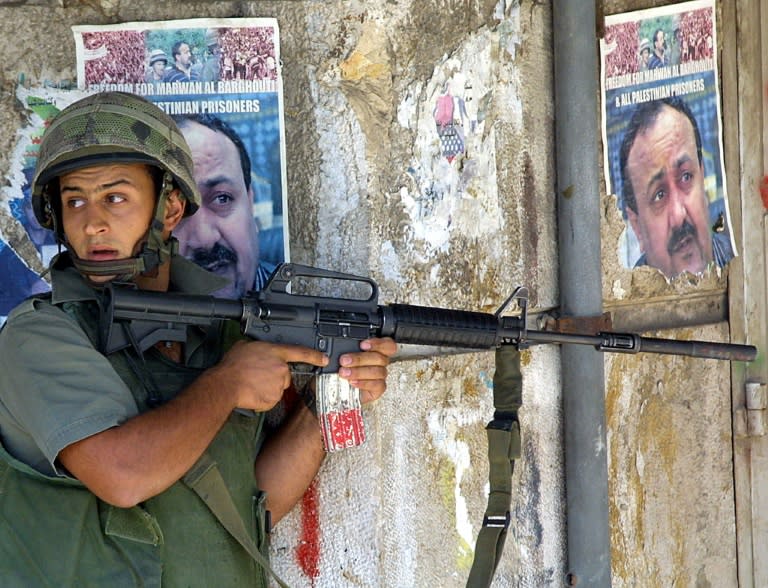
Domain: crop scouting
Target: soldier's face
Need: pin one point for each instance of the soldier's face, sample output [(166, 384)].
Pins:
[(106, 211)]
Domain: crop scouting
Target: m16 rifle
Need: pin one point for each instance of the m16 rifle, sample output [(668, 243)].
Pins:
[(336, 325)]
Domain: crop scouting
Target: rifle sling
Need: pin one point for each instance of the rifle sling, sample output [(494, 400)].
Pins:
[(205, 480), (504, 446)]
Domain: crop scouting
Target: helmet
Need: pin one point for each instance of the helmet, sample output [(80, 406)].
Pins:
[(157, 55), (105, 128), (110, 127)]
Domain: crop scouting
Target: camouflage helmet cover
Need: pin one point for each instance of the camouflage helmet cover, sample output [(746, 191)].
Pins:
[(105, 128)]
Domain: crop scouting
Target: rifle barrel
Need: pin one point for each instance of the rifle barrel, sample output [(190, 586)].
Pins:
[(633, 343), (706, 349)]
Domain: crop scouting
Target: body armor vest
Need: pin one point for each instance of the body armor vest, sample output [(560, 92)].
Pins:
[(60, 534)]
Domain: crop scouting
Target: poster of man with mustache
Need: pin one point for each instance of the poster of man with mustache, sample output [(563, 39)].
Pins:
[(229, 107), (662, 137)]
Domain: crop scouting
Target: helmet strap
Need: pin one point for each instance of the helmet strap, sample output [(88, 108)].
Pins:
[(156, 250)]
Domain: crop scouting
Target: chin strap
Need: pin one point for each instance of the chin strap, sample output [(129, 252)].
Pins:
[(145, 263), (154, 252)]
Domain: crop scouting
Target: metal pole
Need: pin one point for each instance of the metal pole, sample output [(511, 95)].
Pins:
[(578, 189)]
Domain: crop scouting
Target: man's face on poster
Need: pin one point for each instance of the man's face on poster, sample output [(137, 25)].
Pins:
[(159, 67), (222, 235), (672, 220), (184, 57)]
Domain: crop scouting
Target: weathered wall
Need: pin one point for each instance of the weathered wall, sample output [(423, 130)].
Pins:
[(370, 193), (671, 484), (670, 460)]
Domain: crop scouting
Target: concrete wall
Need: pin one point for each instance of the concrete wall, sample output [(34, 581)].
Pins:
[(670, 443), (670, 438), (371, 193)]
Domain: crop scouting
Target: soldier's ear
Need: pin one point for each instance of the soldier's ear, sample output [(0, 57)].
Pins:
[(174, 210)]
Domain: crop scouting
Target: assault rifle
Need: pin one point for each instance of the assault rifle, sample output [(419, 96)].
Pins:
[(336, 325)]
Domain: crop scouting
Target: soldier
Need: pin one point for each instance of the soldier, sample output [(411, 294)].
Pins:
[(103, 455), (211, 69)]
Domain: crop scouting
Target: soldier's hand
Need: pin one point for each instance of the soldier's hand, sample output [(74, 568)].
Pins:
[(367, 370), (258, 373)]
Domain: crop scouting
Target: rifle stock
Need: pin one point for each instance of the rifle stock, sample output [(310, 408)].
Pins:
[(337, 325)]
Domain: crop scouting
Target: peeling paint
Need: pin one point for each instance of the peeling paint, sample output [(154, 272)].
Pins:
[(448, 196), (408, 108), (510, 27), (445, 428), (390, 262), (359, 66)]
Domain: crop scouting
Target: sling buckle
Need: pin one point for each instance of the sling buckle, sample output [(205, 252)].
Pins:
[(497, 521)]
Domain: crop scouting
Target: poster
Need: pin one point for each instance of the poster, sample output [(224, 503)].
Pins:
[(26, 247), (234, 76), (220, 80), (662, 138)]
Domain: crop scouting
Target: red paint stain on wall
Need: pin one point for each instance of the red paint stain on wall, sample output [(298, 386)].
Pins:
[(764, 191), (308, 551)]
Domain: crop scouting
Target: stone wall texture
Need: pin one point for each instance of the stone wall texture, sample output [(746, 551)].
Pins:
[(371, 192)]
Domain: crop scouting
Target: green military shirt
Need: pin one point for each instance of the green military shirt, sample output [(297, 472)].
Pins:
[(56, 389)]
